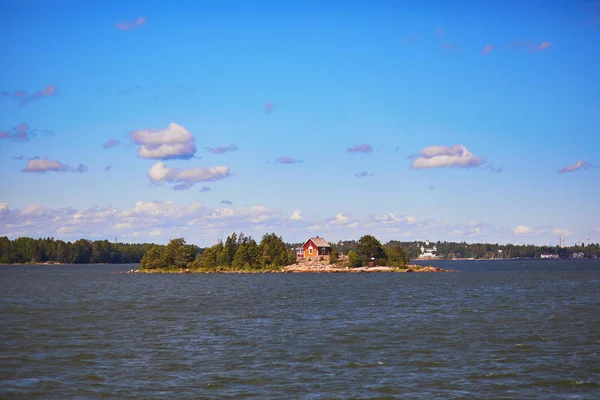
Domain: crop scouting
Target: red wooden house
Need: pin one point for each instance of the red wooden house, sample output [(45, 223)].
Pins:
[(313, 247)]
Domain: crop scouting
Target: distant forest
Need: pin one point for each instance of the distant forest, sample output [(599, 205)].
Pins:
[(27, 250), (451, 250)]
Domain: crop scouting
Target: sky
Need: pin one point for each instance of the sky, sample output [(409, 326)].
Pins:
[(408, 120)]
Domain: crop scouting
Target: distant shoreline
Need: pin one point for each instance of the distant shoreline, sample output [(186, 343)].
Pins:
[(47, 263)]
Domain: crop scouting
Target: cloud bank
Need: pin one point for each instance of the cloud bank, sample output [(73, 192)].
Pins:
[(204, 225), (171, 143), (443, 157)]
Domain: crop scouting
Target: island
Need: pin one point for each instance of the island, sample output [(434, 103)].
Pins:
[(242, 254)]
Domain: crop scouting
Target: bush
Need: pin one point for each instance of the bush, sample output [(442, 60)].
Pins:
[(354, 260), (333, 257)]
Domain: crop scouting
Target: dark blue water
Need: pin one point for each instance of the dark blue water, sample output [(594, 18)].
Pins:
[(496, 329)]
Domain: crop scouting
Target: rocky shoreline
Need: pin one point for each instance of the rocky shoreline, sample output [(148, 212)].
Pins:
[(312, 267)]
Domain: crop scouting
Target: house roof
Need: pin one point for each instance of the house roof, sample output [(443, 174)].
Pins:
[(320, 242)]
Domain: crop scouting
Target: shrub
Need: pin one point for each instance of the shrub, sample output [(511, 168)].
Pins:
[(333, 257), (354, 261)]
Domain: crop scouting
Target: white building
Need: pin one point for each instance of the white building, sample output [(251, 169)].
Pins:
[(428, 253)]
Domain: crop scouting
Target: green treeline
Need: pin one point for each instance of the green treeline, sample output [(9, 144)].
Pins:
[(27, 250), (450, 250), (238, 253)]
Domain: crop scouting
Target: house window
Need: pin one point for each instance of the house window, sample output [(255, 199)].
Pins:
[(310, 249)]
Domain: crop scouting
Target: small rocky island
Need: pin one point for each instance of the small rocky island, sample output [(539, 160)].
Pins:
[(242, 254)]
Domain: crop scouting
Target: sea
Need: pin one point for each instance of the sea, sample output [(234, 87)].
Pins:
[(514, 329)]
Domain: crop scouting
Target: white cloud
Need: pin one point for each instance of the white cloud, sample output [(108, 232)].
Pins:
[(342, 219), (522, 230), (173, 142), (444, 156), (160, 173), (156, 232), (45, 165), (561, 232), (575, 167), (297, 216)]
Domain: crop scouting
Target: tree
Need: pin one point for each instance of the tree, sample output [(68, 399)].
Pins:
[(247, 254), (354, 261), (152, 258), (273, 251), (396, 256), (369, 249), (177, 254)]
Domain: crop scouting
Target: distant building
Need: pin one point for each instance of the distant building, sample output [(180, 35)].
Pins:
[(579, 254), (549, 256), (428, 253), (313, 247)]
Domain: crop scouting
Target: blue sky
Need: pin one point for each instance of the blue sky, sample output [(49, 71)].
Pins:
[(407, 120)]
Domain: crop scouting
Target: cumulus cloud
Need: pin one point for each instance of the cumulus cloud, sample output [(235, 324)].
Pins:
[(111, 143), (287, 160), (222, 149), (363, 174), (186, 177), (522, 230), (360, 148), (488, 49), (443, 156), (42, 165), (173, 142), (126, 26), (343, 219), (24, 98), (575, 167), (297, 216)]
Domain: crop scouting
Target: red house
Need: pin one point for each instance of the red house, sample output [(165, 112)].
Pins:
[(314, 247)]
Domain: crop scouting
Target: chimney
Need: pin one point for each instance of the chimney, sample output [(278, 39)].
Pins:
[(317, 236)]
